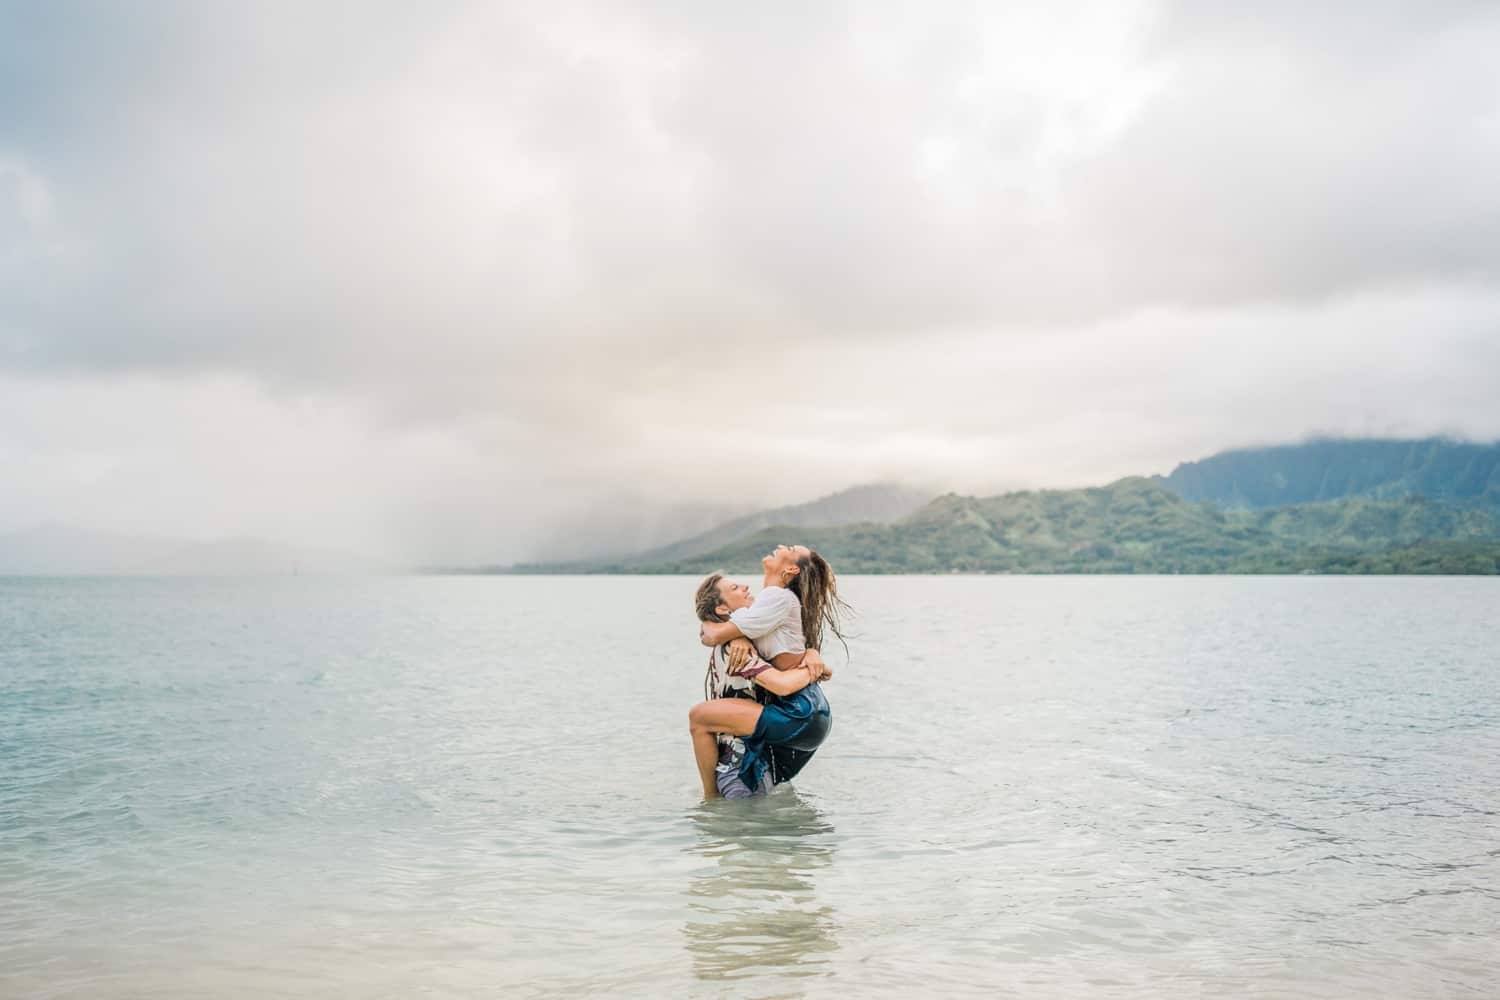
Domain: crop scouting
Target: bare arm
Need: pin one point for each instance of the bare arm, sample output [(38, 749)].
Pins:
[(814, 660), (784, 682), (793, 661), (718, 633), (743, 661)]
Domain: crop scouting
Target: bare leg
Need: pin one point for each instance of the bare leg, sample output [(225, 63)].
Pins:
[(735, 716), (706, 752)]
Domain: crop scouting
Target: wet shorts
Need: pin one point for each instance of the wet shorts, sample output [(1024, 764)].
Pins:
[(792, 728), (732, 786)]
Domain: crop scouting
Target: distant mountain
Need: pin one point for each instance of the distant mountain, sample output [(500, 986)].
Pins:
[(878, 503), (60, 550), (1138, 526), (617, 526), (1355, 506), (259, 557), (1458, 473)]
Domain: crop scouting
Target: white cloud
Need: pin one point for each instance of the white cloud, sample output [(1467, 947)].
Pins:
[(438, 284)]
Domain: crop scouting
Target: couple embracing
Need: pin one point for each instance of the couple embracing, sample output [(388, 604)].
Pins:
[(766, 713)]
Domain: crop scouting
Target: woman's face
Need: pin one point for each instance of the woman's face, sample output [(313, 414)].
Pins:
[(784, 558), (733, 596)]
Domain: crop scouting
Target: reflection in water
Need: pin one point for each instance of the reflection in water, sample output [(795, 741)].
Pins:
[(754, 911)]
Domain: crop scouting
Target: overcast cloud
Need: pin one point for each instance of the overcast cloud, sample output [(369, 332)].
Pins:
[(447, 283)]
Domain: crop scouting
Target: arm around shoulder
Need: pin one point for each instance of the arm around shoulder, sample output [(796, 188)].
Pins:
[(718, 633)]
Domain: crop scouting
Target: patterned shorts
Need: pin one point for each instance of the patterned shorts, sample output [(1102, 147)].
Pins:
[(732, 786)]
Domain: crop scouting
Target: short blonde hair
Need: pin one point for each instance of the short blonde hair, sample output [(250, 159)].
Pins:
[(707, 600)]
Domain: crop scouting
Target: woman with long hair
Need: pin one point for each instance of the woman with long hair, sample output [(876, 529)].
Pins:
[(777, 733)]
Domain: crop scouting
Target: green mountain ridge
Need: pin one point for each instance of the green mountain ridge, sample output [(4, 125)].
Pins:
[(878, 503), (1135, 525), (1461, 473), (1325, 506), (1132, 526)]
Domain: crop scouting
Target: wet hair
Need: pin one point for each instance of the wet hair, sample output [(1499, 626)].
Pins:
[(707, 600), (817, 589)]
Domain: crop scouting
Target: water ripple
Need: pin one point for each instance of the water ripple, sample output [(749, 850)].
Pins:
[(1133, 788)]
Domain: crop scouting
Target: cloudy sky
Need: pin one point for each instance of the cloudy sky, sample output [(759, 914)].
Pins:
[(460, 281)]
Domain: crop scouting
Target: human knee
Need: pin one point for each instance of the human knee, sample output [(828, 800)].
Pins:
[(704, 718)]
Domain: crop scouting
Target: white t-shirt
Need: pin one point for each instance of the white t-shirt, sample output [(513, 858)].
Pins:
[(773, 623)]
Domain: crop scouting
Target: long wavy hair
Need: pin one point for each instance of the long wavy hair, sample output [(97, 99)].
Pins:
[(817, 588)]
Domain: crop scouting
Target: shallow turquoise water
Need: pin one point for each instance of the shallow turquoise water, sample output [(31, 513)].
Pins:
[(483, 786)]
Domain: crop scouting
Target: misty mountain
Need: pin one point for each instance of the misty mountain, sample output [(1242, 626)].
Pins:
[(61, 550), (1455, 472), (878, 503), (1137, 525), (1323, 506), (619, 526)]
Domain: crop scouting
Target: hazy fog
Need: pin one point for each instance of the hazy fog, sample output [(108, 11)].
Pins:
[(458, 282)]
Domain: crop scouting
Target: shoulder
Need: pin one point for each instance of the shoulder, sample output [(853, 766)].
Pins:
[(778, 597)]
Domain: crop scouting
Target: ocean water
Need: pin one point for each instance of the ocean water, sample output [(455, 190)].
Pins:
[(1115, 787)]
